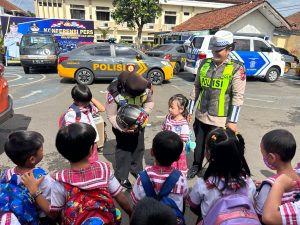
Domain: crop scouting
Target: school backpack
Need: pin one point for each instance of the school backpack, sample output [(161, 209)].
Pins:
[(62, 121), (84, 207), (287, 196), (15, 198), (230, 209), (164, 192)]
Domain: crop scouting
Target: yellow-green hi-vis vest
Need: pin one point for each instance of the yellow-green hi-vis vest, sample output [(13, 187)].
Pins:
[(215, 89)]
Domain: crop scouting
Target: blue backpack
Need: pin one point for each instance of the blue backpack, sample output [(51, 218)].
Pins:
[(164, 192), (15, 198)]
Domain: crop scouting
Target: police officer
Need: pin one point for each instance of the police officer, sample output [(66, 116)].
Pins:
[(129, 88), (219, 86)]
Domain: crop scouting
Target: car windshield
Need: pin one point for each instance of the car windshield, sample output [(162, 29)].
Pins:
[(36, 40), (163, 48)]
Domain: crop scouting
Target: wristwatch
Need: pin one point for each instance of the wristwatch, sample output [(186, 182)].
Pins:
[(35, 195)]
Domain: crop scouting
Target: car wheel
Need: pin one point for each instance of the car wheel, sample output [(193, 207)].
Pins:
[(156, 76), (272, 75), (176, 68), (26, 69), (84, 76), (287, 67)]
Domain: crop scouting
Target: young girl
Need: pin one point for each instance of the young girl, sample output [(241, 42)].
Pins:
[(86, 106), (227, 171), (176, 121)]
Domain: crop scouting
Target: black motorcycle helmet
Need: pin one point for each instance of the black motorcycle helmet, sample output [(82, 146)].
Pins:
[(131, 117)]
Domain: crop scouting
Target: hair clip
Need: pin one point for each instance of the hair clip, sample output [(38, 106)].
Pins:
[(214, 137)]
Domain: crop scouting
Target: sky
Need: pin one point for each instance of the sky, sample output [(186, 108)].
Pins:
[(285, 7)]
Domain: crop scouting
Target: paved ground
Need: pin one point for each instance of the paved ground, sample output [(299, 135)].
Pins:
[(40, 98)]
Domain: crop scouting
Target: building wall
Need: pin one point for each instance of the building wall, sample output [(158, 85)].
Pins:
[(291, 43), (62, 10), (254, 22)]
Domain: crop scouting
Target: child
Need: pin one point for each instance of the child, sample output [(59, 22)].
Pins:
[(148, 211), (85, 185), (274, 212), (176, 122), (25, 149), (278, 148), (227, 171), (86, 106), (166, 149)]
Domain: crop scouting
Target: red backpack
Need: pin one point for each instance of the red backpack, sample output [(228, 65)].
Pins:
[(85, 207)]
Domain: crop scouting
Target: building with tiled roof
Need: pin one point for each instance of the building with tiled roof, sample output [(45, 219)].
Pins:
[(248, 17), (9, 8), (294, 20)]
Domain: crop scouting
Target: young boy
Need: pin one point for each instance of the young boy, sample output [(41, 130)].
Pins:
[(75, 143), (148, 211), (166, 149), (278, 148), (25, 149), (86, 106), (276, 213)]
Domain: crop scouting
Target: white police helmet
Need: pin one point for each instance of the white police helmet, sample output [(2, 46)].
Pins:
[(221, 40)]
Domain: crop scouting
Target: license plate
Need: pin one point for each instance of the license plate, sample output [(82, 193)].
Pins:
[(38, 61)]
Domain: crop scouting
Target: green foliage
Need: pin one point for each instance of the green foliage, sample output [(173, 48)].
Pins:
[(104, 32), (136, 13)]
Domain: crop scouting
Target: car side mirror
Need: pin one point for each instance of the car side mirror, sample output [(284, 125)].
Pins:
[(139, 57)]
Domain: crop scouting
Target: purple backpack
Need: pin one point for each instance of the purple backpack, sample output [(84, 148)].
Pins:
[(232, 209)]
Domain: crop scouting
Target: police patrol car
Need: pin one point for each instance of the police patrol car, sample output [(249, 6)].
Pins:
[(260, 59), (108, 60)]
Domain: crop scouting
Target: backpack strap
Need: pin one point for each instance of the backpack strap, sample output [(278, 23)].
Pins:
[(269, 181), (77, 111), (147, 185), (169, 184)]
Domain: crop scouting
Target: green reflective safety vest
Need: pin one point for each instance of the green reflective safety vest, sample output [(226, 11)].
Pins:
[(138, 100), (216, 88)]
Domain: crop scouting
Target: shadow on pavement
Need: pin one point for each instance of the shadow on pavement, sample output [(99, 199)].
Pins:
[(17, 122)]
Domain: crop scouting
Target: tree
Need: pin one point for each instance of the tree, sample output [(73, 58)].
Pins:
[(136, 13), (104, 32)]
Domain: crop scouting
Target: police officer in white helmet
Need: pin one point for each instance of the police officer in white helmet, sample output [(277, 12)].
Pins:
[(219, 86)]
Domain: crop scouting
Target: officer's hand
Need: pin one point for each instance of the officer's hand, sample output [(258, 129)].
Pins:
[(189, 118), (232, 126), (129, 131)]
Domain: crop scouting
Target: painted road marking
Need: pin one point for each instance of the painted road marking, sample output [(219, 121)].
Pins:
[(261, 100), (103, 92), (32, 93), (28, 83), (14, 75)]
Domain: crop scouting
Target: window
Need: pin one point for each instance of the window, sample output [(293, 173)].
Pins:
[(102, 51), (170, 17), (49, 3), (102, 13), (40, 4), (59, 4), (242, 45), (180, 49), (77, 12), (260, 46), (186, 13), (125, 52), (197, 42), (54, 4), (45, 3)]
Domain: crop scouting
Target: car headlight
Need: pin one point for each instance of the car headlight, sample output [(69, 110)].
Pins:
[(166, 63)]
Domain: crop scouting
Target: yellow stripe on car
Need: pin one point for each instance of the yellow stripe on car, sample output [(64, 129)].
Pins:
[(142, 67), (168, 71), (66, 72)]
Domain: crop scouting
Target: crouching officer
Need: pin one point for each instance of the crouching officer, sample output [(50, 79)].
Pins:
[(219, 86), (129, 88)]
